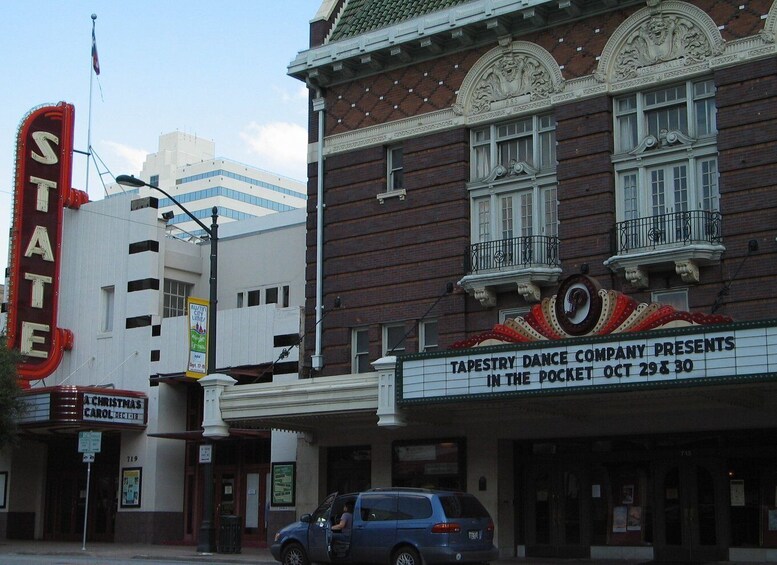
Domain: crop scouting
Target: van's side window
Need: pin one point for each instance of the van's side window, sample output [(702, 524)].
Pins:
[(413, 507), (378, 507)]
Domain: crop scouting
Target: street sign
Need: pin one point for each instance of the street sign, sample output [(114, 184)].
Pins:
[(89, 442), (88, 457), (206, 453)]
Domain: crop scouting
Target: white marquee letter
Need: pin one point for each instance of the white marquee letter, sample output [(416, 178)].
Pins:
[(38, 281), (42, 203), (40, 245), (29, 339), (42, 138)]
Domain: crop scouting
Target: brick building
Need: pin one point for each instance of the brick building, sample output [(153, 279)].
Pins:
[(549, 228)]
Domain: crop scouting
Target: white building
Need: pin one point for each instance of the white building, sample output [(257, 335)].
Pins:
[(185, 167), (122, 295)]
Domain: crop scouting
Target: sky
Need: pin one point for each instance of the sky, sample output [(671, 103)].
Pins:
[(212, 69)]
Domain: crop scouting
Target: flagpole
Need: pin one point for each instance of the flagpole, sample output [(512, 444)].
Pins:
[(92, 71)]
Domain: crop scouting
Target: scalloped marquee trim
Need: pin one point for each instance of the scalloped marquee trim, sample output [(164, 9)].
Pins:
[(620, 314)]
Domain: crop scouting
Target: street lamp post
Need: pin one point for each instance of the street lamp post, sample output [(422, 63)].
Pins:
[(207, 534)]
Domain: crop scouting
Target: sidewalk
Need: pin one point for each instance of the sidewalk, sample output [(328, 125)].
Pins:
[(254, 555), (184, 553)]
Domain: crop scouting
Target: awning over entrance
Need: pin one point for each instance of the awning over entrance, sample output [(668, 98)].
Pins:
[(302, 405), (692, 378), (195, 435)]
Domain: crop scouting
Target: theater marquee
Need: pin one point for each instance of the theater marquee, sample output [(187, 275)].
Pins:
[(680, 357), (63, 407), (586, 338), (42, 190)]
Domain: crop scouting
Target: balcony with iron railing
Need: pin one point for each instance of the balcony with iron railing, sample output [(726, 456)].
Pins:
[(520, 263), (686, 239)]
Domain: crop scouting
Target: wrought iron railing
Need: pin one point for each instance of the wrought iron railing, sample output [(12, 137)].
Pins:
[(667, 230), (514, 253)]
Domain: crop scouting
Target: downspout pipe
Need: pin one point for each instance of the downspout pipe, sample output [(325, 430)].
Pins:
[(319, 105)]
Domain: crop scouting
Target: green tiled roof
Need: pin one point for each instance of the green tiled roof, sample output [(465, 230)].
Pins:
[(361, 16)]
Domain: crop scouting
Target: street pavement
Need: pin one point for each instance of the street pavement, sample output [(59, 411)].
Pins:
[(189, 554)]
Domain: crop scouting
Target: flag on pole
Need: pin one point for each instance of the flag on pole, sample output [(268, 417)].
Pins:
[(95, 58)]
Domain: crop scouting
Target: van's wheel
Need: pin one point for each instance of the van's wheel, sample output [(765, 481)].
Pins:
[(406, 556), (293, 554)]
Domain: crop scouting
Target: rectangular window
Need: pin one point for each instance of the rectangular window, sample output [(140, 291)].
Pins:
[(708, 175), (154, 179), (393, 339), (175, 295), (546, 132), (529, 140), (395, 167), (688, 108), (481, 151), (484, 219), (285, 292), (513, 193), (626, 116), (512, 313), (107, 301), (429, 464), (550, 212), (507, 217), (279, 295), (360, 348), (428, 336), (527, 214), (676, 298)]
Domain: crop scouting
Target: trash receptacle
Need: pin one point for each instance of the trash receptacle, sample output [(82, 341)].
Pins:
[(230, 534)]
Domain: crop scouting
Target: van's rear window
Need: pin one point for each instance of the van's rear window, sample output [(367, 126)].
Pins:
[(460, 506)]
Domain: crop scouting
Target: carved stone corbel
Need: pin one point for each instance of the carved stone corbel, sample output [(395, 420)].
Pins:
[(637, 277), (529, 291), (485, 296), (688, 270)]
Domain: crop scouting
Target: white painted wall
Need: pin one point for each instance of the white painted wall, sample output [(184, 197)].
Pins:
[(95, 254)]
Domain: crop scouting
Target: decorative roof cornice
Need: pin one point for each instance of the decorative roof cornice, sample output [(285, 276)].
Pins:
[(458, 27)]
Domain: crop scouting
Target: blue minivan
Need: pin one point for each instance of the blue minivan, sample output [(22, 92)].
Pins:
[(400, 526)]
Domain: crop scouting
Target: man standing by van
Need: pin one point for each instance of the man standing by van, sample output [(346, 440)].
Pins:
[(346, 520), (341, 533)]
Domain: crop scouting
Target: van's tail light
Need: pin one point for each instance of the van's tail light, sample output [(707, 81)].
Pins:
[(446, 528), (490, 527)]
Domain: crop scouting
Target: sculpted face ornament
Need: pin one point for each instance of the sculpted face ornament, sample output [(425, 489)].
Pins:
[(578, 305)]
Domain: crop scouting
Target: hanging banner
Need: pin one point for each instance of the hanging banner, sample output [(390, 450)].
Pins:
[(198, 337)]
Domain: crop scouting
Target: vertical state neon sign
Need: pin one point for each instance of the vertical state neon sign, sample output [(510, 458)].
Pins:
[(44, 157)]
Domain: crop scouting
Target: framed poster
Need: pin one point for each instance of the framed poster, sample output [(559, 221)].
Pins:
[(619, 519), (131, 487), (737, 493), (283, 483), (3, 489)]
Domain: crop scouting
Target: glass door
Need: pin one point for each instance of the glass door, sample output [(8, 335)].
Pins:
[(556, 503), (690, 505)]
